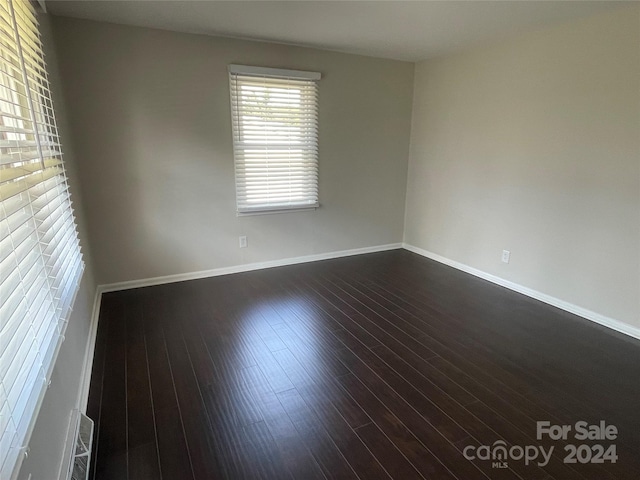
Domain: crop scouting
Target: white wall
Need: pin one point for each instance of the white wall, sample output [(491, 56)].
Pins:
[(532, 146), (47, 440), (150, 112)]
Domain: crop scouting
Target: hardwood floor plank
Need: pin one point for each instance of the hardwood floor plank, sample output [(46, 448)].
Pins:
[(295, 455), (315, 365), (265, 460), (140, 413), (360, 459), (333, 463), (395, 463), (401, 436), (172, 446), (94, 402), (111, 458), (217, 401), (143, 462), (141, 431), (195, 421)]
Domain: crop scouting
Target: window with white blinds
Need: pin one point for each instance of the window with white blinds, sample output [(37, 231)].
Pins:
[(275, 138), (40, 260)]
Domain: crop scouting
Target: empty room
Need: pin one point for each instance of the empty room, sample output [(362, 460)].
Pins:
[(267, 240)]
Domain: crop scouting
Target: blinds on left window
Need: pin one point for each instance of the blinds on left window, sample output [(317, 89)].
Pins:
[(40, 260)]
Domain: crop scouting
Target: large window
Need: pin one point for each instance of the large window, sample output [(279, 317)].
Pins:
[(40, 261), (275, 138)]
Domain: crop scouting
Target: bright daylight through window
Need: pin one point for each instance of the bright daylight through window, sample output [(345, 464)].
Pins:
[(275, 138), (40, 261)]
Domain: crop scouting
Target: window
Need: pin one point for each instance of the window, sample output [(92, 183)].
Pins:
[(275, 138), (40, 261)]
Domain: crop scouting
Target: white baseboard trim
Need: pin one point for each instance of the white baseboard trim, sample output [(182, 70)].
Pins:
[(181, 277), (89, 353), (608, 322)]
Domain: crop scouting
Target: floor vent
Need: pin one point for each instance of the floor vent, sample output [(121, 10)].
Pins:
[(79, 455)]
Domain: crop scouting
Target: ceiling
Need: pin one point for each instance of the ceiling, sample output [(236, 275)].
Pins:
[(402, 30)]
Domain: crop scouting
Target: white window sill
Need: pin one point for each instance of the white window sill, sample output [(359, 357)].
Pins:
[(274, 211)]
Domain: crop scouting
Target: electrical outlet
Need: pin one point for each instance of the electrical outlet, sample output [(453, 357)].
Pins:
[(506, 254), (243, 241)]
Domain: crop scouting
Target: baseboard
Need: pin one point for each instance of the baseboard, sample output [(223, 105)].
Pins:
[(603, 320), (181, 277), (89, 352)]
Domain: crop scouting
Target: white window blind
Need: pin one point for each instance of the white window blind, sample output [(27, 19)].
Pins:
[(275, 138), (40, 260)]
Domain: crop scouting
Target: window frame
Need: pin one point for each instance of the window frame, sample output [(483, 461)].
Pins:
[(309, 141)]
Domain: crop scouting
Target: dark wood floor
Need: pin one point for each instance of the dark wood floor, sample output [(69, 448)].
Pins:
[(377, 366)]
